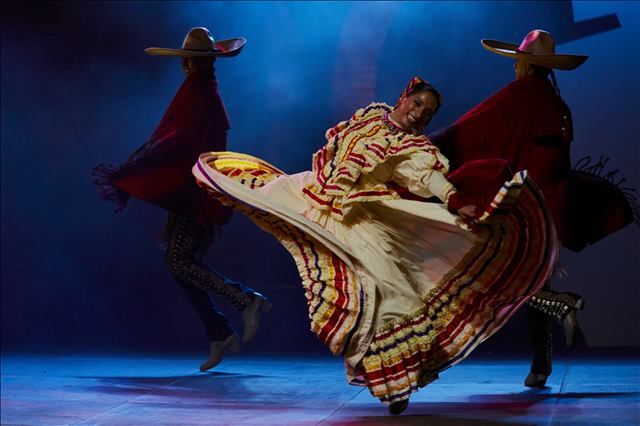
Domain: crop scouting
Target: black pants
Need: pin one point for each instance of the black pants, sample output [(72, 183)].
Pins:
[(541, 339), (186, 240)]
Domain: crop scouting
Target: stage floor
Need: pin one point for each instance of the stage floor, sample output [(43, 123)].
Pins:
[(132, 389)]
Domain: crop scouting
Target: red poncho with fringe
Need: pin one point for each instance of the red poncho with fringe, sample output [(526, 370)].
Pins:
[(159, 172), (527, 124)]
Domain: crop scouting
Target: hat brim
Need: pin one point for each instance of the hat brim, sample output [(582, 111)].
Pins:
[(562, 62), (224, 48)]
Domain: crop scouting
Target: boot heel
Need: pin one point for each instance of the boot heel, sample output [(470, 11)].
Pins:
[(217, 350), (578, 301), (536, 380)]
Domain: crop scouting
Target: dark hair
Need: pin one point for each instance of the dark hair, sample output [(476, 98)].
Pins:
[(426, 87), (202, 61), (542, 71)]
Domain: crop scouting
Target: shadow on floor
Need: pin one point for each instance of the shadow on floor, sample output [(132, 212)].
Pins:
[(416, 419), (209, 384)]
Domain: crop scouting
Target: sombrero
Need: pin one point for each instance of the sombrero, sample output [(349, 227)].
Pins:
[(199, 42), (537, 48)]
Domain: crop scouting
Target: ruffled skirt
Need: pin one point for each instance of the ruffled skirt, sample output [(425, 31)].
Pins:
[(400, 288)]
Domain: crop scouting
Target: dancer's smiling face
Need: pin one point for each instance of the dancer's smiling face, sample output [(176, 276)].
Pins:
[(415, 111)]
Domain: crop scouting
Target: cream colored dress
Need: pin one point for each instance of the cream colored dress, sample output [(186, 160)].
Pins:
[(401, 288)]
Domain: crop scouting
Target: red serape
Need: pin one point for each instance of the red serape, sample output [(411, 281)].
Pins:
[(159, 172)]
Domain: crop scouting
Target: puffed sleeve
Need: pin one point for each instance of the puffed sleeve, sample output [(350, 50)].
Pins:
[(423, 174)]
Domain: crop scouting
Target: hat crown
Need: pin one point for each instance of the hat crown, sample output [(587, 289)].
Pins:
[(200, 39), (538, 42)]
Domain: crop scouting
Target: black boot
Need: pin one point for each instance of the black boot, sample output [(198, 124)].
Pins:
[(398, 406), (251, 316), (562, 307), (536, 380)]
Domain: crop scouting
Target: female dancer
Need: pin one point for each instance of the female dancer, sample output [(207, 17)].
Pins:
[(401, 287)]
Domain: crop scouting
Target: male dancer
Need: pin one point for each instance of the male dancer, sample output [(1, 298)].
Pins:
[(159, 172), (528, 124)]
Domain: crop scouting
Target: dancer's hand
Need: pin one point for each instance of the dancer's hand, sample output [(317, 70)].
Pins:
[(467, 213)]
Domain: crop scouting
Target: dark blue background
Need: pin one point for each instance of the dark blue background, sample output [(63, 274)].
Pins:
[(78, 90)]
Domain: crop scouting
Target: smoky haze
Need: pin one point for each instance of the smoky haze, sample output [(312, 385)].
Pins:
[(78, 90)]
